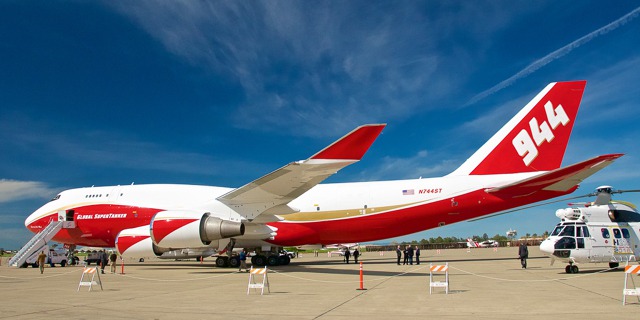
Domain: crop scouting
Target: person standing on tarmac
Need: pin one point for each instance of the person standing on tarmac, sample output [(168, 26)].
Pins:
[(347, 254), (243, 261), (417, 255), (356, 254), (112, 260), (41, 258), (399, 253), (523, 253), (103, 260)]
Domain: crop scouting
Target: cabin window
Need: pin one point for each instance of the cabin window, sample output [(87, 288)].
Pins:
[(580, 242), (625, 234), (585, 232), (616, 233), (579, 232), (605, 233)]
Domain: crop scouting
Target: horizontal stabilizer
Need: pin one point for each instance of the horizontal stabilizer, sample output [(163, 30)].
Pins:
[(561, 179)]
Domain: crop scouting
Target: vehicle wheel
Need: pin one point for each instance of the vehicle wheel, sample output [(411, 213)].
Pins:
[(24, 265), (574, 269), (222, 262), (63, 263), (234, 262), (613, 265), (141, 260), (567, 269), (259, 260), (272, 260)]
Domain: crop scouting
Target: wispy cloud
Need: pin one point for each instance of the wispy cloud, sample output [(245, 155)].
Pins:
[(320, 69), (14, 190), (555, 55)]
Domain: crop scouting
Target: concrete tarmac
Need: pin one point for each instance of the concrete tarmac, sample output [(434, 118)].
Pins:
[(484, 284)]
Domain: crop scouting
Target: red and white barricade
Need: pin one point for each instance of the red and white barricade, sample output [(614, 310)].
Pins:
[(93, 272), (253, 273), (439, 270), (634, 291)]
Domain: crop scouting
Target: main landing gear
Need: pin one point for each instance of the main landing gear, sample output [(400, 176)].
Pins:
[(257, 260)]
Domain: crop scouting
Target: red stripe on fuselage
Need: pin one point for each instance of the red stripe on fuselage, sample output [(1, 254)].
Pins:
[(400, 222)]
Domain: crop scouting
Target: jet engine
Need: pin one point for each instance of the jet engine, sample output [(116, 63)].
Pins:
[(136, 243), (185, 229)]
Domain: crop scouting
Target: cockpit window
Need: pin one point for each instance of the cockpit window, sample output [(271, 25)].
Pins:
[(605, 233), (556, 231), (55, 198), (568, 231)]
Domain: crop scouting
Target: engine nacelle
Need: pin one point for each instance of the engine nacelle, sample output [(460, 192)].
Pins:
[(136, 243), (187, 229)]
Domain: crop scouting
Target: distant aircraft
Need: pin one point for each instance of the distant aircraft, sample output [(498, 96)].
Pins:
[(599, 231), (519, 165), (483, 244)]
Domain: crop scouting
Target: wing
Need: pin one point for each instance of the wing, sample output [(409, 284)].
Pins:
[(561, 179), (270, 194)]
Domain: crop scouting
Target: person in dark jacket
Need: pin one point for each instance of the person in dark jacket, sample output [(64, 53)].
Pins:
[(103, 260), (417, 255), (347, 254), (523, 253), (356, 254)]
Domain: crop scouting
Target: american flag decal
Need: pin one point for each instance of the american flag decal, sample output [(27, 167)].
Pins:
[(408, 192)]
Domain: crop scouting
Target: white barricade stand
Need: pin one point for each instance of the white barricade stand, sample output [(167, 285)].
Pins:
[(93, 272), (635, 291), (439, 284), (253, 273)]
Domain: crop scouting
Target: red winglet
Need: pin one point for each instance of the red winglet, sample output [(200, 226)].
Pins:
[(353, 145)]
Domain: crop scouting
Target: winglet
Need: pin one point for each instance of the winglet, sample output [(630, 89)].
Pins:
[(353, 145)]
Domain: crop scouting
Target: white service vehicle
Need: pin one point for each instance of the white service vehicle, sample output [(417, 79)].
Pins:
[(54, 256)]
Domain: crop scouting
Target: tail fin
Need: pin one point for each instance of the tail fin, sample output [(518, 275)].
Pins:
[(472, 244), (535, 139)]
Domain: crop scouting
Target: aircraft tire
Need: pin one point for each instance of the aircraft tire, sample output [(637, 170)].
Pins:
[(259, 261), (284, 260), (574, 269), (222, 262), (272, 260), (234, 262), (567, 269)]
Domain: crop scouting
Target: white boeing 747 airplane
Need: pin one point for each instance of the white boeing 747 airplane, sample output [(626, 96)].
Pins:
[(519, 165)]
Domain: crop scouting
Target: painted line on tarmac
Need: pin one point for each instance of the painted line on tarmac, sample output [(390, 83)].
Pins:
[(42, 276), (367, 279), (180, 280), (539, 280)]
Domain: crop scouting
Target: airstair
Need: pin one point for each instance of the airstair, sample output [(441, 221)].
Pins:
[(36, 243)]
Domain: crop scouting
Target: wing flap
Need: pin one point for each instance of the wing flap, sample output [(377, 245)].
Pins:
[(561, 179)]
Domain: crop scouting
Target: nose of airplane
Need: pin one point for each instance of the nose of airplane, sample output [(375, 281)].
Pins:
[(547, 246)]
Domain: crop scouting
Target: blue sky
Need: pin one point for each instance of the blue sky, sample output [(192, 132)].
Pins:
[(222, 92)]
